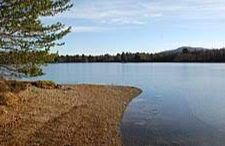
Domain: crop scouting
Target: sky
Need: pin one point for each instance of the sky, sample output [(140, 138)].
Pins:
[(114, 26)]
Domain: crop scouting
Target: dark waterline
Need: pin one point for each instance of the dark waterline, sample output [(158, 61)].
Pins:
[(181, 104)]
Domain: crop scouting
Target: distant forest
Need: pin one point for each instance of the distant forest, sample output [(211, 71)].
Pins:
[(183, 54)]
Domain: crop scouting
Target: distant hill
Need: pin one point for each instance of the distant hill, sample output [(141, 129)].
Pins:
[(182, 54), (180, 50)]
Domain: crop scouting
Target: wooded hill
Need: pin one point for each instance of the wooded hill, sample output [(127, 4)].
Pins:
[(182, 54)]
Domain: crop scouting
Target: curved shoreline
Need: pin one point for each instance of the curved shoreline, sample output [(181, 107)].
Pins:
[(127, 105), (74, 115)]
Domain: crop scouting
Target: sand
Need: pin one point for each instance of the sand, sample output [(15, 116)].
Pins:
[(75, 115)]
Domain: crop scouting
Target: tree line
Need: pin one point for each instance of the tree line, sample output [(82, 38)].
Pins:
[(213, 55)]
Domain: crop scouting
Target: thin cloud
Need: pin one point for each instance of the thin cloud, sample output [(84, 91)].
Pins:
[(123, 13), (113, 12), (139, 12), (78, 29)]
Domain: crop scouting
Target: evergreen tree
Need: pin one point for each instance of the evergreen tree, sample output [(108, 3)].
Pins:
[(25, 38)]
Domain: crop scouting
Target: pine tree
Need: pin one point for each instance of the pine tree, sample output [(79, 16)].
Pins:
[(25, 40)]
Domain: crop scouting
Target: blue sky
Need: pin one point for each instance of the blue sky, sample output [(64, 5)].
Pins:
[(111, 26)]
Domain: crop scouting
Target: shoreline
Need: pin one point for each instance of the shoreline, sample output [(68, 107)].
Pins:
[(74, 115)]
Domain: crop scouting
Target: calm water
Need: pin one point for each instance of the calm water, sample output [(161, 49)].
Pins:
[(181, 104)]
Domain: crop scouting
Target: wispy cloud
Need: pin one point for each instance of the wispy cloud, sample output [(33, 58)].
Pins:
[(115, 12), (78, 29), (140, 11), (191, 9), (111, 13)]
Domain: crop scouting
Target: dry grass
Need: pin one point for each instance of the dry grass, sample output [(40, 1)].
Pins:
[(12, 86), (8, 98), (81, 115), (9, 89)]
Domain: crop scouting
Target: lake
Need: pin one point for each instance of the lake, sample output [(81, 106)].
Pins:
[(181, 104)]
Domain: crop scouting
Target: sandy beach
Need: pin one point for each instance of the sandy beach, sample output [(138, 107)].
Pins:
[(74, 115)]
